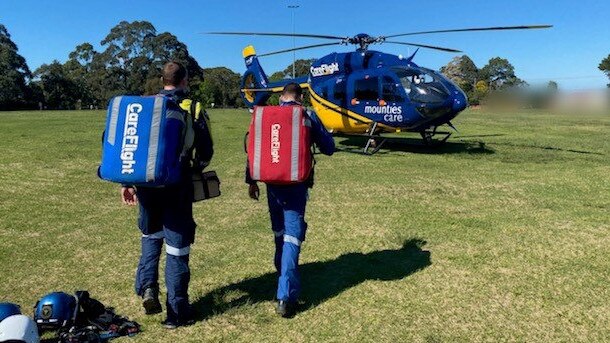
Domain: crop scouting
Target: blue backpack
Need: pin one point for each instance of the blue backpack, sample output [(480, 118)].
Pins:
[(144, 141)]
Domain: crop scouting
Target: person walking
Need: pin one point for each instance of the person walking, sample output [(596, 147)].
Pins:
[(166, 215), (287, 211)]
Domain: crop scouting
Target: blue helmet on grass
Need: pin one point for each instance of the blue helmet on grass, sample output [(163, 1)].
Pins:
[(55, 310), (8, 309)]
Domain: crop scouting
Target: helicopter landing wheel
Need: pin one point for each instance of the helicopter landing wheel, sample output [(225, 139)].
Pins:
[(428, 137)]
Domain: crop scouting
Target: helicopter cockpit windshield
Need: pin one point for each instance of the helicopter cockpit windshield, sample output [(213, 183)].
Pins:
[(422, 85)]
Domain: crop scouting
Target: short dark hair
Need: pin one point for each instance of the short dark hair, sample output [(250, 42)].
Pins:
[(293, 89), (173, 73)]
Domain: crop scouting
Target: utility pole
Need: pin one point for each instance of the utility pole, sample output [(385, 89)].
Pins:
[(294, 54)]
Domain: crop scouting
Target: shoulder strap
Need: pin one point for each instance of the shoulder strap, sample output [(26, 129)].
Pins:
[(193, 111)]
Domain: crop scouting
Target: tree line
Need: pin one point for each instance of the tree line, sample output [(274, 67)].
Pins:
[(133, 53), (129, 62), (497, 75)]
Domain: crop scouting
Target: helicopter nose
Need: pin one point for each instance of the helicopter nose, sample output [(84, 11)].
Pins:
[(459, 101)]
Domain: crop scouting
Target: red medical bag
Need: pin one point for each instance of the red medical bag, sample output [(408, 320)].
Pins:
[(279, 145)]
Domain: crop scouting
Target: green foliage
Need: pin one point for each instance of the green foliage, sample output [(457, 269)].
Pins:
[(134, 55), (500, 74), (130, 63), (479, 93), (278, 76), (14, 74), (604, 66), (463, 71), (60, 91), (301, 68), (220, 87)]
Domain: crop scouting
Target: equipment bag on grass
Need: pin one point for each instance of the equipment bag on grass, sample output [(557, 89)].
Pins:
[(144, 141), (279, 145)]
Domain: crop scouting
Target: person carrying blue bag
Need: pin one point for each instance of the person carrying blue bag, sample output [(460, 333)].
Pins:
[(153, 160)]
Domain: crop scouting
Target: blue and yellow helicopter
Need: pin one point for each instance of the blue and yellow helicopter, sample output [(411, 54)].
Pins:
[(368, 92)]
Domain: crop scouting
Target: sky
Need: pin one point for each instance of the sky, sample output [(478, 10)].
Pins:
[(569, 53)]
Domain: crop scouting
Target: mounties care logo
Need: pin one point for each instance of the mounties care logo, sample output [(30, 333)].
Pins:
[(130, 138), (324, 69), (275, 143), (391, 113)]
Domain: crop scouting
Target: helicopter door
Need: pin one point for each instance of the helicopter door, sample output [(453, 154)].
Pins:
[(364, 90), (340, 93), (367, 89), (391, 92)]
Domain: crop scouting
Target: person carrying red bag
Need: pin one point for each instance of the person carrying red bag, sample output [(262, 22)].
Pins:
[(287, 204)]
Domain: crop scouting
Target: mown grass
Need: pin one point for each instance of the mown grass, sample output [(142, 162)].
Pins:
[(502, 234)]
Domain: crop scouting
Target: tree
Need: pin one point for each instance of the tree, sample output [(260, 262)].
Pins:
[(221, 87), (83, 72), (14, 74), (274, 99), (463, 71), (481, 90), (482, 87), (59, 90), (500, 74), (130, 63), (134, 55), (552, 86), (605, 67), (127, 55), (301, 68), (278, 76)]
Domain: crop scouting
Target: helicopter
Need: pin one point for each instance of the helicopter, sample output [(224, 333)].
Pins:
[(368, 92)]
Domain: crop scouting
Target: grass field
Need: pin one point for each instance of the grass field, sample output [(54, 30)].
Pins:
[(502, 234)]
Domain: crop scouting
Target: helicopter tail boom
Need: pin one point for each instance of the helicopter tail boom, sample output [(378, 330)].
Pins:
[(255, 88)]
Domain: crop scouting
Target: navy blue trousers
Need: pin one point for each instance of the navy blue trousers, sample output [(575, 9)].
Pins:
[(166, 214), (287, 210)]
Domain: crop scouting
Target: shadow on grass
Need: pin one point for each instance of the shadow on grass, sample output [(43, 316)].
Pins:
[(355, 144), (542, 147), (321, 280)]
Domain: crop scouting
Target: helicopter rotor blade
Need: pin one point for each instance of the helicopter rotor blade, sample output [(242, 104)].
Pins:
[(298, 48), (496, 28), (302, 35), (425, 46)]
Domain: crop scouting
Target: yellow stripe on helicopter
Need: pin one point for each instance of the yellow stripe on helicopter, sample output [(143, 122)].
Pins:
[(339, 119)]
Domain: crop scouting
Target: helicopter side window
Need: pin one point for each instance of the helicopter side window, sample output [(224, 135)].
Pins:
[(390, 91), (422, 86), (339, 91), (367, 89)]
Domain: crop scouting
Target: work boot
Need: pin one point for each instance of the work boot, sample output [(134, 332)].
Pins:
[(172, 324), (150, 301), (286, 309)]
